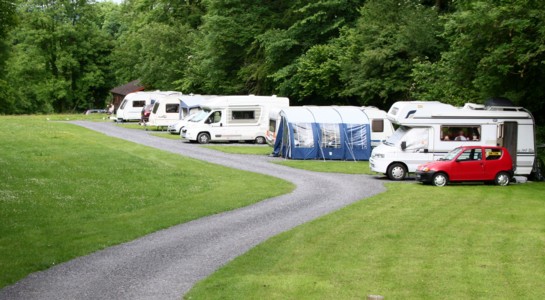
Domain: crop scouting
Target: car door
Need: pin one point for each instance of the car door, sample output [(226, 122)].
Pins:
[(468, 166)]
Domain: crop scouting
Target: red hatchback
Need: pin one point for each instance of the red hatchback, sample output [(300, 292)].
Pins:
[(469, 163)]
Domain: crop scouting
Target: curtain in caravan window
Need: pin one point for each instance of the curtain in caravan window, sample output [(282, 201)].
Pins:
[(356, 136)]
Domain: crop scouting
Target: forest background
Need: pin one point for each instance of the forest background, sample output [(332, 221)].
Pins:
[(66, 55)]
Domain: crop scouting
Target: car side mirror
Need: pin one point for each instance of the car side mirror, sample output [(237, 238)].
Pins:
[(403, 145)]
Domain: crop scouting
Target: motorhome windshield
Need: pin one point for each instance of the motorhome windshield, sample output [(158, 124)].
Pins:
[(200, 115), (397, 136)]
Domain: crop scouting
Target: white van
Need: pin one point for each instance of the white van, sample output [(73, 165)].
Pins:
[(428, 130), (166, 109), (132, 105), (233, 118), (189, 105)]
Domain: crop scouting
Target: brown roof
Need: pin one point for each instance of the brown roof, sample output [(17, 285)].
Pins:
[(133, 86)]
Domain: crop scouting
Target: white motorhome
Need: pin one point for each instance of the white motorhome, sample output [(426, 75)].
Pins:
[(132, 105), (233, 118), (428, 130), (166, 109), (189, 105)]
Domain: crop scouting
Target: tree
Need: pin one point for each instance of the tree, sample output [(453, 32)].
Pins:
[(496, 49), (59, 60), (389, 36)]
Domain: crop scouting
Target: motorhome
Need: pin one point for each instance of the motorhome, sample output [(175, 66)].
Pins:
[(132, 105), (166, 109), (233, 118), (428, 130)]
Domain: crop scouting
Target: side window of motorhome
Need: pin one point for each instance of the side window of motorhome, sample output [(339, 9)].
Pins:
[(139, 103), (377, 125), (330, 136), (460, 133), (215, 117), (172, 108), (302, 135), (243, 116)]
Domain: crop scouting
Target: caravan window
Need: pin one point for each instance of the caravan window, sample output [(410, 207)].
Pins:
[(243, 115), (330, 136), (123, 104), (460, 133), (139, 103), (172, 108), (155, 108), (302, 135), (272, 125), (377, 125)]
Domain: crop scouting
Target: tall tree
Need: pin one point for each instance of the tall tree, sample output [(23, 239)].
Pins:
[(496, 49), (389, 36), (59, 59)]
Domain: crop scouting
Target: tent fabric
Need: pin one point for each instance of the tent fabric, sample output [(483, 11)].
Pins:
[(323, 132)]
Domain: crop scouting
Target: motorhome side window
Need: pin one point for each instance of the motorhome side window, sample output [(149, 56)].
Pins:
[(460, 133), (243, 115), (139, 103), (377, 125), (172, 108)]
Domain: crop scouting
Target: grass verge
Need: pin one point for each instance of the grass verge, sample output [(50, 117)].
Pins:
[(413, 242), (67, 191)]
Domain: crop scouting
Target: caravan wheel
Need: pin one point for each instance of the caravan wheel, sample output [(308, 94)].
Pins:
[(260, 140)]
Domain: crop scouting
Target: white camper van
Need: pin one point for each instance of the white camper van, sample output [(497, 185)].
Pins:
[(166, 109), (233, 118), (428, 130), (131, 106)]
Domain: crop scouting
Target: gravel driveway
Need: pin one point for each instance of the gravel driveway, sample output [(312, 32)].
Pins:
[(167, 263)]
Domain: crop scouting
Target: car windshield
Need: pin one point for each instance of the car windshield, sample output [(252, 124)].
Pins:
[(200, 116), (452, 154)]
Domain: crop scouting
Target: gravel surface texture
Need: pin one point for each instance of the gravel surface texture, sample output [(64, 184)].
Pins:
[(167, 263)]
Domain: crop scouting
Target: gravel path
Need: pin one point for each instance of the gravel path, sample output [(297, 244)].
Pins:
[(166, 264)]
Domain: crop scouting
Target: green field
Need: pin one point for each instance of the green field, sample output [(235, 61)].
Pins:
[(413, 242), (67, 191)]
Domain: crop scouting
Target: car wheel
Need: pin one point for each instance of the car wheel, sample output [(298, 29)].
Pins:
[(397, 171), (502, 179), (440, 179), (203, 138), (260, 140)]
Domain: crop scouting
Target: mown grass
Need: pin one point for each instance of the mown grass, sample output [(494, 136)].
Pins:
[(67, 191), (413, 242)]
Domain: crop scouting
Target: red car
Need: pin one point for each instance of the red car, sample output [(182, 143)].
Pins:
[(469, 163)]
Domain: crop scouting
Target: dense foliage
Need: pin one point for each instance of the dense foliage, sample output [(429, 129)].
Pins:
[(65, 55)]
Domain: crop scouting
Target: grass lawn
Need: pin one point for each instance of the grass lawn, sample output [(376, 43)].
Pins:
[(67, 191), (413, 242)]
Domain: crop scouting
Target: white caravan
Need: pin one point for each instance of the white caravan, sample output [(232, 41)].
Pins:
[(132, 105), (233, 118), (381, 126), (428, 130), (166, 109)]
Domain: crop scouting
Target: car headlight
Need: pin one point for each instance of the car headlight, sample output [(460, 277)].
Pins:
[(425, 169)]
